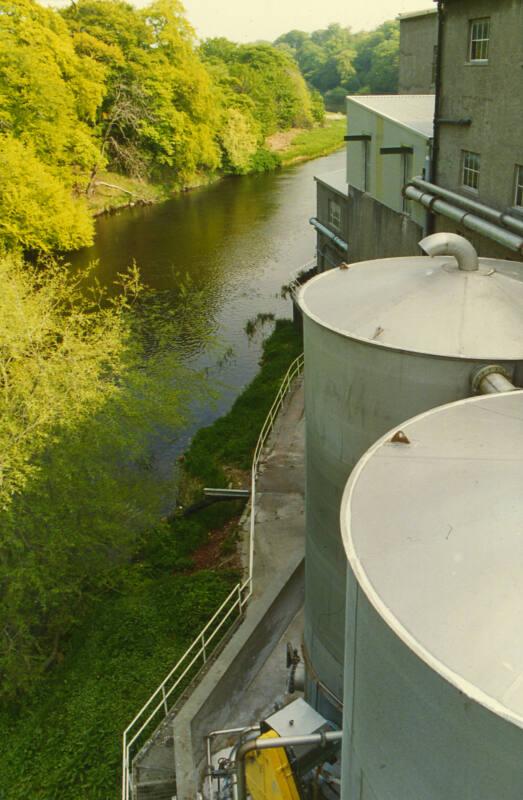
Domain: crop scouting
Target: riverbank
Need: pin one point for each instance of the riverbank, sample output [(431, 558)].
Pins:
[(64, 743), (114, 192), (304, 145)]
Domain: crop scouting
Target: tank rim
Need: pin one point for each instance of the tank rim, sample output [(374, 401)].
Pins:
[(456, 680), (490, 356)]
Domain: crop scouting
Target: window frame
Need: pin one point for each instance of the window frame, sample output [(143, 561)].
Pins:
[(334, 203), (478, 41), (468, 170), (518, 187)]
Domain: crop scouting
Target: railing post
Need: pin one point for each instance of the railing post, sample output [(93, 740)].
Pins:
[(128, 776), (240, 602), (124, 767), (165, 706), (203, 649)]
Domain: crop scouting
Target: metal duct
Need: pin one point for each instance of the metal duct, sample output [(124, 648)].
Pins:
[(450, 244), (321, 739), (338, 241), (474, 223), (482, 210), (493, 379)]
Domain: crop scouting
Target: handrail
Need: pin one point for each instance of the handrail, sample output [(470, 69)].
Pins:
[(198, 650)]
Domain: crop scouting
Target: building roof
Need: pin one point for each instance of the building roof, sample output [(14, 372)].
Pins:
[(414, 111), (336, 180), (412, 14)]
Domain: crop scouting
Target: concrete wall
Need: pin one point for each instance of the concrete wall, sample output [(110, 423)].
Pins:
[(385, 173), (378, 232), (490, 94), (418, 40), (329, 255)]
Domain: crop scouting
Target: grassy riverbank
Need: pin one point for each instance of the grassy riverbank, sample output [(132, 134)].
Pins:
[(315, 143), (64, 741), (115, 191)]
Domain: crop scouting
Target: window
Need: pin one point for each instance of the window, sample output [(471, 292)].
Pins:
[(479, 39), (470, 170), (518, 197), (335, 214)]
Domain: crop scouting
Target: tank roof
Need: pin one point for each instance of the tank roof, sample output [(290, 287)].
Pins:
[(433, 530), (424, 305)]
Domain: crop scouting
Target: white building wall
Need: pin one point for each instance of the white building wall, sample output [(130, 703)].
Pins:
[(383, 176)]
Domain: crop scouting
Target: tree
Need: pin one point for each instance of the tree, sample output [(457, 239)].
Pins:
[(48, 100), (79, 403), (263, 78), (158, 110), (337, 61), (37, 210)]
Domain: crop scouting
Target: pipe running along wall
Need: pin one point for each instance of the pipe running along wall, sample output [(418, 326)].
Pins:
[(322, 739), (337, 240), (510, 240), (498, 217)]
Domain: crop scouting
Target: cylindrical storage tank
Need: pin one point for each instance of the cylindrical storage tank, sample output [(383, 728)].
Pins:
[(384, 340), (432, 524)]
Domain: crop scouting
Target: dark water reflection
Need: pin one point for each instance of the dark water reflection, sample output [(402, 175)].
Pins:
[(237, 240)]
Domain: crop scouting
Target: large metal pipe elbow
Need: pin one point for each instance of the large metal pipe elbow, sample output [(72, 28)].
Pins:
[(450, 244), (492, 379)]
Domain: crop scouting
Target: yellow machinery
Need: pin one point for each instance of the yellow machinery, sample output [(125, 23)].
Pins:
[(289, 773), (269, 773)]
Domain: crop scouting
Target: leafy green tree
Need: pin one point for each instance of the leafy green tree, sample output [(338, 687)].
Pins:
[(377, 60), (239, 138), (158, 110), (48, 100), (37, 209), (79, 404), (268, 78), (337, 61)]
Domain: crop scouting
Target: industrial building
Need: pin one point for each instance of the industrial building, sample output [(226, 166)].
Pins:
[(461, 169)]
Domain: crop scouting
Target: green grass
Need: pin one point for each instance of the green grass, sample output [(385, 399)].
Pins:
[(315, 142), (64, 742), (105, 198), (232, 438)]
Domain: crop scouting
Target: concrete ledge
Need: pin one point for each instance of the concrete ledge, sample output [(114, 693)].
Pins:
[(225, 685)]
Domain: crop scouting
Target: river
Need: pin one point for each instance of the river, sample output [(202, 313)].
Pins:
[(238, 240)]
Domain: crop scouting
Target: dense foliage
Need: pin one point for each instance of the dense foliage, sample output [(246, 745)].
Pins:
[(105, 85), (79, 400), (64, 741), (262, 92), (338, 62)]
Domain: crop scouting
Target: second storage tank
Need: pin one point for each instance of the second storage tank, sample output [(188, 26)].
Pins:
[(385, 340), (432, 522)]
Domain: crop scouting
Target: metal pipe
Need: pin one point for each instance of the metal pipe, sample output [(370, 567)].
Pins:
[(240, 788), (498, 217), (338, 241), (452, 245), (510, 240), (493, 379)]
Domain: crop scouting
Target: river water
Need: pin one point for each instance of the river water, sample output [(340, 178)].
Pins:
[(237, 240)]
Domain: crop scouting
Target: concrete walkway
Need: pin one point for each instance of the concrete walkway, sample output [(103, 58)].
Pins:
[(249, 676)]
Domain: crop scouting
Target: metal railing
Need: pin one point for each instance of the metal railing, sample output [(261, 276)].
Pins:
[(204, 645)]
